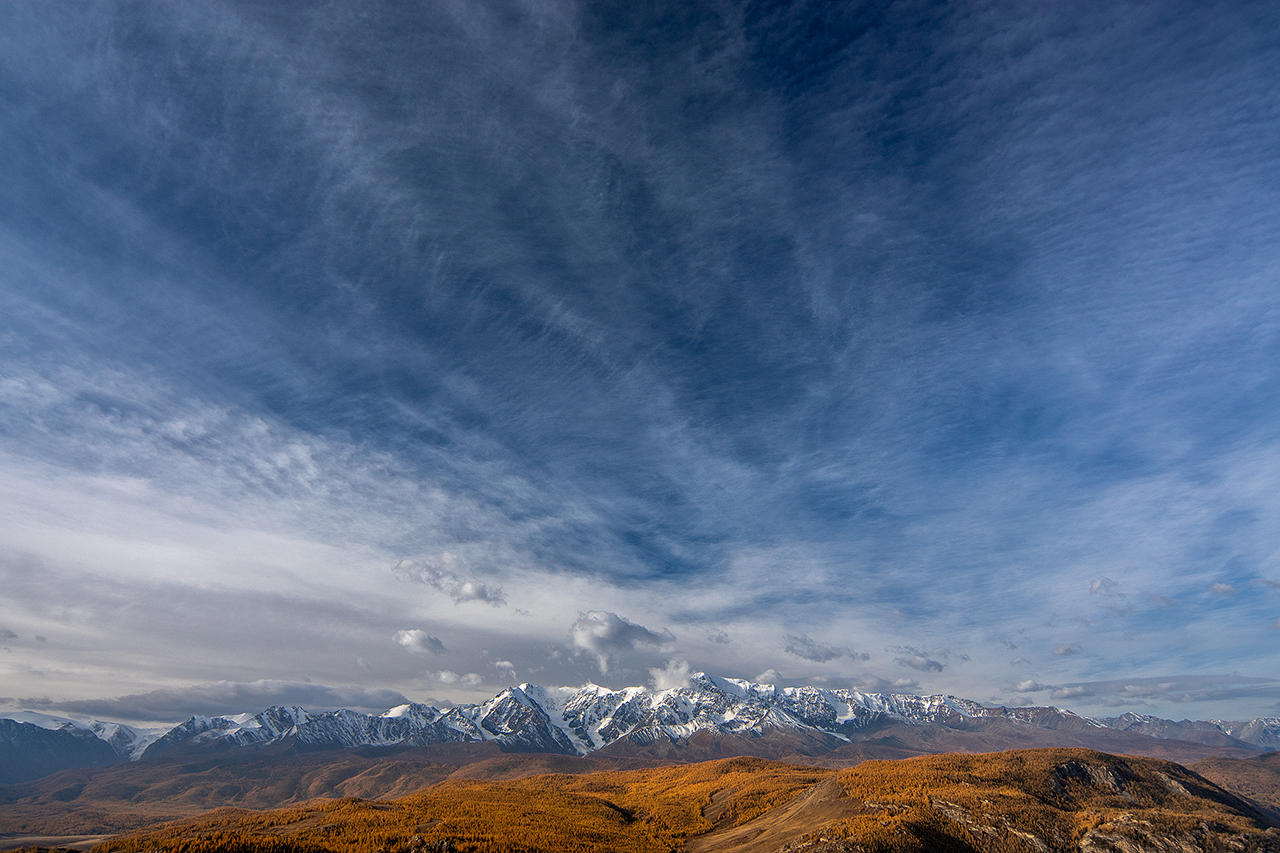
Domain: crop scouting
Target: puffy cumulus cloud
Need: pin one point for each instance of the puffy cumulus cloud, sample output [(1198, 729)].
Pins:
[(924, 661), (1063, 650), (607, 635), (224, 697), (670, 677), (419, 641), (451, 678), (804, 646), (1029, 686), (1070, 692), (441, 572)]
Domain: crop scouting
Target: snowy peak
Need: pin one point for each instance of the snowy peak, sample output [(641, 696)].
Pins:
[(533, 718), (128, 742)]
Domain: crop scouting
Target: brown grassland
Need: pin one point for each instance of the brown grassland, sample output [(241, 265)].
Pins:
[(1029, 801), (628, 812)]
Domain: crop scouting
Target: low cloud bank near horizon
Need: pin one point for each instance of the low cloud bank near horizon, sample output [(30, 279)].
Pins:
[(226, 697)]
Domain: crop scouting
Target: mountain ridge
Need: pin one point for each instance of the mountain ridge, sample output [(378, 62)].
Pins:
[(579, 721)]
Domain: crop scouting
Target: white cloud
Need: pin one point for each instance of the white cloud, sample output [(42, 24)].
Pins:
[(419, 641), (470, 679), (769, 676), (439, 573), (674, 675)]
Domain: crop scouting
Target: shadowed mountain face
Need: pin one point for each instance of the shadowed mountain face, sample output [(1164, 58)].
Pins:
[(29, 752), (1026, 800)]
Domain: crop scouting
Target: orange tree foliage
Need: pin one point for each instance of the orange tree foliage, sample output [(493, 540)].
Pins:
[(1021, 801), (642, 811)]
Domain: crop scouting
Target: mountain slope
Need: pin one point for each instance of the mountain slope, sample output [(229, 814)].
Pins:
[(579, 721), (28, 751), (636, 722), (1029, 800)]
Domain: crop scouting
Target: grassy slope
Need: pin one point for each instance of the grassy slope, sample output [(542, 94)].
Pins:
[(1026, 800)]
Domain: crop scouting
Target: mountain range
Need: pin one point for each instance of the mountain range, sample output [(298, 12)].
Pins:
[(585, 720)]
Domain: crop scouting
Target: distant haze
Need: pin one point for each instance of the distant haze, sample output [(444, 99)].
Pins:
[(353, 354)]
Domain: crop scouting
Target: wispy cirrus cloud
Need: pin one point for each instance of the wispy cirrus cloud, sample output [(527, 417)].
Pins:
[(482, 291)]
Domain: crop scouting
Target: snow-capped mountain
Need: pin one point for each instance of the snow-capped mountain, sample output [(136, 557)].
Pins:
[(1263, 732), (128, 742), (581, 720)]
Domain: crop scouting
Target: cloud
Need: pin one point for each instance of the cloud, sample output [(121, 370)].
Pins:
[(437, 573), (924, 661), (224, 697), (6, 634), (719, 637), (418, 641), (1223, 589), (1180, 689), (921, 662), (1103, 586), (1066, 649), (804, 646), (506, 667), (670, 677), (607, 635), (1019, 661), (1029, 687), (471, 679), (769, 676), (875, 684), (846, 360)]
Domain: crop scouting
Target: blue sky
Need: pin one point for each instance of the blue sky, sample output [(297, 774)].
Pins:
[(422, 349)]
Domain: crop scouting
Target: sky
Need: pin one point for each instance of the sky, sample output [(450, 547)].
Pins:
[(353, 354)]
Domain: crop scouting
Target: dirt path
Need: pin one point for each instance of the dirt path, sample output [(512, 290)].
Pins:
[(810, 810)]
